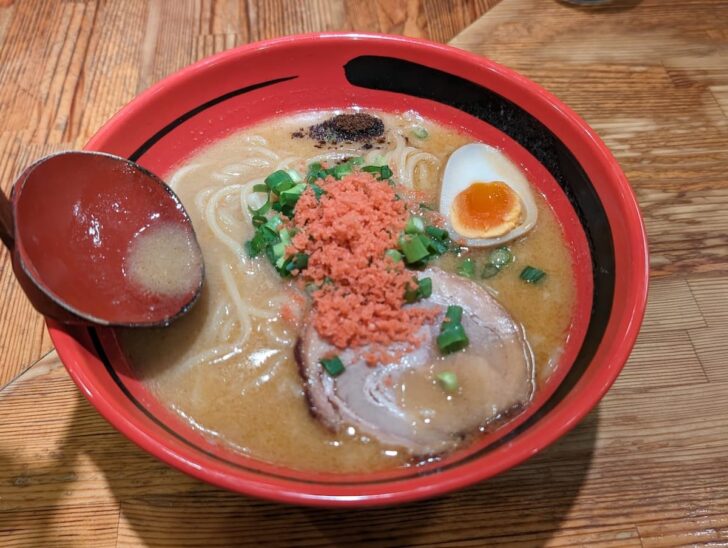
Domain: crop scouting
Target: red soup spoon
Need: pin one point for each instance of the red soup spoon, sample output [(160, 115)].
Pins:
[(96, 238)]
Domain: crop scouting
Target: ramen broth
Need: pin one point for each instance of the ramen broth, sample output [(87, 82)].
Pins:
[(163, 260), (228, 367)]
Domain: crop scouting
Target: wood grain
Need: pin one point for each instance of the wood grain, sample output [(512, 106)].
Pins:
[(646, 468)]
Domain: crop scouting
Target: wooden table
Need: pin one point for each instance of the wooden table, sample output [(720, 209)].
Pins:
[(648, 467)]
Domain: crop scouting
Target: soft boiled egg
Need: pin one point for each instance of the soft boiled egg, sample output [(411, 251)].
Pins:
[(485, 197)]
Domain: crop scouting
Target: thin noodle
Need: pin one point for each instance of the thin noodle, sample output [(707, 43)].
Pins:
[(211, 218), (242, 315)]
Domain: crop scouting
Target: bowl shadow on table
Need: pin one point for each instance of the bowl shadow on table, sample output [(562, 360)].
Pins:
[(162, 507)]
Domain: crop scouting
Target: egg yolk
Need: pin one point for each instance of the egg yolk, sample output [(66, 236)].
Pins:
[(486, 210)]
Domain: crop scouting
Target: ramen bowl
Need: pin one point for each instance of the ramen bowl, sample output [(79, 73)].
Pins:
[(585, 187)]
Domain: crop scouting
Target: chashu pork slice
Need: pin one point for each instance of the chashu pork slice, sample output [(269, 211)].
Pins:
[(401, 403)]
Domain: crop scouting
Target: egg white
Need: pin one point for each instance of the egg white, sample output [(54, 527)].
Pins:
[(476, 162)]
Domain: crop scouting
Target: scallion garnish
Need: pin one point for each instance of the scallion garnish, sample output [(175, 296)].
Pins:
[(317, 190), (383, 171), (489, 270), (413, 248), (422, 290), (500, 257), (393, 254), (295, 176), (439, 234), (259, 220), (333, 366), (497, 259), (279, 252), (290, 196), (262, 239), (278, 181), (532, 275), (452, 335), (316, 171), (420, 132), (262, 210), (341, 170), (415, 225), (448, 381), (297, 261), (467, 268), (425, 287)]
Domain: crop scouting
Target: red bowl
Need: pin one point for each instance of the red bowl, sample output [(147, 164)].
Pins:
[(567, 162)]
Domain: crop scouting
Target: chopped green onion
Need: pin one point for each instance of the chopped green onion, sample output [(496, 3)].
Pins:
[(261, 187), (274, 222), (452, 335), (317, 190), (413, 248), (262, 210), (452, 339), (264, 237), (437, 247), (285, 236), (383, 171), (419, 132), (454, 314), (295, 176), (278, 181), (333, 366), (489, 270), (422, 291), (425, 287), (288, 198), (315, 172), (500, 257), (393, 254), (448, 381), (467, 268), (415, 225), (259, 220), (291, 195), (297, 261), (438, 233), (532, 275), (279, 250), (341, 170)]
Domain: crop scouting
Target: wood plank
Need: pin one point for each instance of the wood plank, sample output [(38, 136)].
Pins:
[(711, 342), (667, 358), (705, 530), (671, 305), (92, 525)]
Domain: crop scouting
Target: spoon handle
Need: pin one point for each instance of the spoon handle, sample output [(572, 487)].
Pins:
[(6, 221)]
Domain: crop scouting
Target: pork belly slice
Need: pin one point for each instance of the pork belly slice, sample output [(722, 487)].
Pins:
[(401, 403)]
